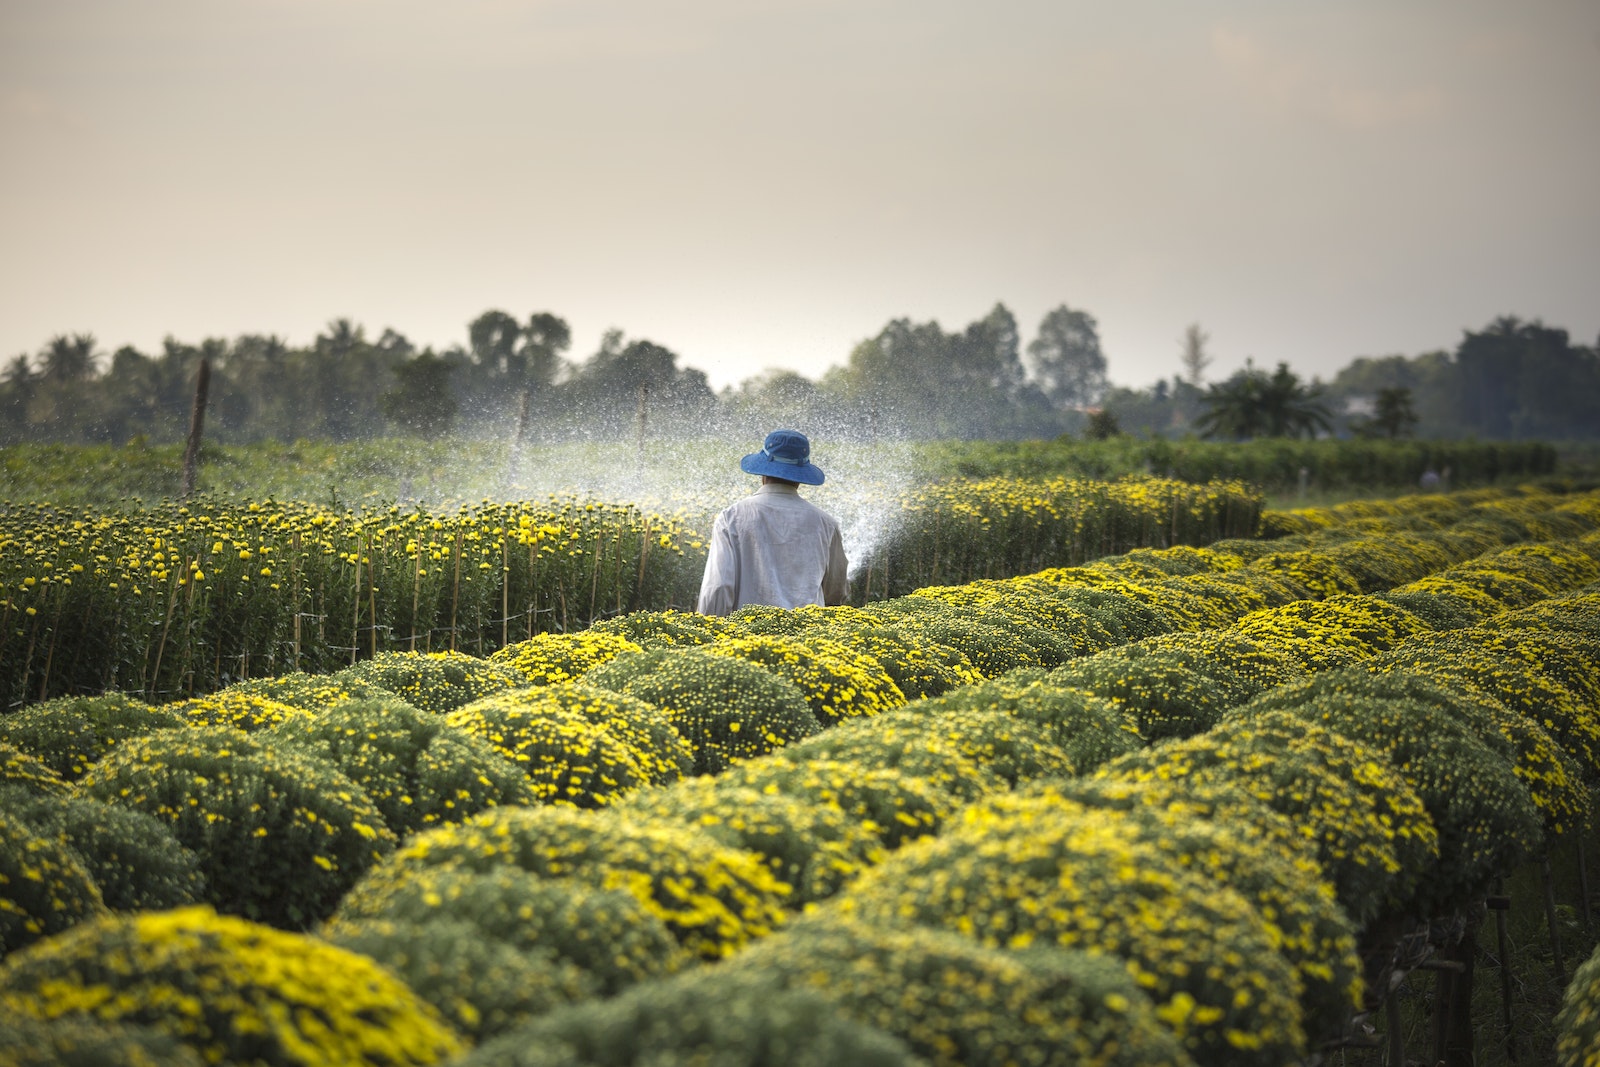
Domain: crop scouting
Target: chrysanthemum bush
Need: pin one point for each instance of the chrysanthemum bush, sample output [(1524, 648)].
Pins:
[(69, 733), (700, 1017), (940, 744), (663, 629), (1030, 607), (132, 857), (233, 990), (918, 665), (19, 769), (416, 768), (1455, 657), (838, 682), (1371, 832), (957, 1003), (547, 659), (1486, 821), (608, 934), (725, 707), (896, 806), (905, 742), (1578, 1023), (480, 986), (433, 681), (1285, 886), (713, 898), (240, 711), (280, 834), (1012, 879), (994, 642), (44, 887), (811, 846), (312, 692), (566, 758), (1170, 691), (1083, 727), (1553, 779), (659, 751), (74, 1040)]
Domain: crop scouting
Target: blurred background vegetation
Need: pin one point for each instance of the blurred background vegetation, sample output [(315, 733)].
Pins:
[(514, 377)]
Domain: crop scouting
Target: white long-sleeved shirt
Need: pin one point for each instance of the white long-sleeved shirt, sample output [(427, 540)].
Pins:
[(772, 547)]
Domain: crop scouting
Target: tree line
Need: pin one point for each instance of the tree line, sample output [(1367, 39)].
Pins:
[(1513, 380)]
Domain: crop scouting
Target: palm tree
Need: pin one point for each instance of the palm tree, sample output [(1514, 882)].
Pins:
[(1254, 404)]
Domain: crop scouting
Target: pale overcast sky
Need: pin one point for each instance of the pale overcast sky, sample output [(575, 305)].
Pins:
[(758, 183)]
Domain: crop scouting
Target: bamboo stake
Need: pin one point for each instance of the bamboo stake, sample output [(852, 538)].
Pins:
[(197, 418)]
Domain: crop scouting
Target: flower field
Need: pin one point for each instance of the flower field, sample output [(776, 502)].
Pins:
[(178, 600), (1214, 802)]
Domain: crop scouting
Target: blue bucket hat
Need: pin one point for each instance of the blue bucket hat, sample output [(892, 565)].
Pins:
[(784, 454)]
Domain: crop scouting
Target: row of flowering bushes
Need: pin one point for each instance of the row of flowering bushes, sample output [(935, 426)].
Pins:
[(740, 770), (182, 599)]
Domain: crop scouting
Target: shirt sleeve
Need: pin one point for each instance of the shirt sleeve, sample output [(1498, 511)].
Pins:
[(719, 587), (835, 584)]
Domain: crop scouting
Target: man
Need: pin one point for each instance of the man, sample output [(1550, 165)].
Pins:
[(773, 547)]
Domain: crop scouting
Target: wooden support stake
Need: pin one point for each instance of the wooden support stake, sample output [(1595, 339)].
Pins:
[(1550, 918), (1504, 948), (1397, 1038), (197, 419), (1583, 886)]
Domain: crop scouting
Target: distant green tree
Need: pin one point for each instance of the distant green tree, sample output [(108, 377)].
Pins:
[(1195, 357), (1393, 414), (1102, 425), (421, 402), (1066, 359), (1253, 403)]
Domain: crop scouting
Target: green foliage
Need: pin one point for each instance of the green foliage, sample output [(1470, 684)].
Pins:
[(810, 845), (280, 834), (232, 990), (726, 708), (433, 681), (132, 857), (894, 805), (714, 899), (69, 733), (415, 767), (81, 1041), (479, 986), (421, 402), (45, 887), (959, 1004), (703, 1017), (607, 934)]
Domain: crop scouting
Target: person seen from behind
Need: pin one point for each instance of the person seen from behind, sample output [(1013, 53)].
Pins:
[(772, 547)]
